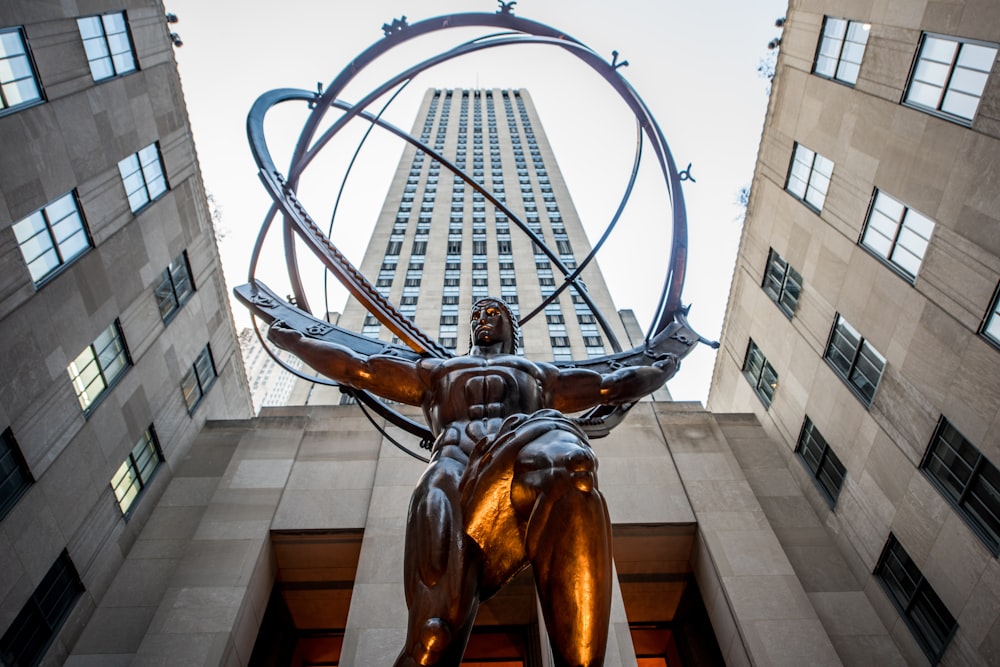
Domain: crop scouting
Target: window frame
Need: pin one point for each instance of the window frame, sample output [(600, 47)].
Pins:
[(95, 358), (757, 378), (894, 244), (106, 44), (809, 185), (130, 469), (6, 108), (938, 110), (202, 385), (778, 297), (847, 376), (146, 180), (842, 42), (958, 493), (13, 468), (64, 262), (812, 442), (992, 315), (167, 278)]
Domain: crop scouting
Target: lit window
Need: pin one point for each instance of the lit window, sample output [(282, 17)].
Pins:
[(197, 380), (991, 323), (967, 479), (41, 617), (108, 46), (52, 237), (15, 478), (782, 283), (897, 234), (761, 375), (99, 366), (19, 85), (175, 287), (562, 354), (821, 461), (136, 470), (923, 611), (841, 49), (859, 364), (142, 174), (949, 76), (809, 177)]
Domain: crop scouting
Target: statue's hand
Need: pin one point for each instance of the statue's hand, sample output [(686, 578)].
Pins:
[(668, 364), (283, 335)]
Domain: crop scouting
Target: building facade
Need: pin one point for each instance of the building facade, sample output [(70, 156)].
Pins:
[(115, 332), (863, 328), (270, 384)]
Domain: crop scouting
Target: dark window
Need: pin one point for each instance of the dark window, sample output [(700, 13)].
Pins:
[(809, 177), (897, 234), (15, 478), (859, 364), (52, 237), (175, 287), (923, 611), (559, 341), (136, 470), (782, 283), (821, 461), (419, 248), (98, 367), (969, 481), (949, 76), (108, 45), (197, 381), (841, 49), (43, 614), (142, 175), (564, 247), (760, 373), (393, 248), (19, 84), (454, 247)]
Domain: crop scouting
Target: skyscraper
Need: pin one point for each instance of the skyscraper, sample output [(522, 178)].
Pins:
[(117, 344), (863, 326)]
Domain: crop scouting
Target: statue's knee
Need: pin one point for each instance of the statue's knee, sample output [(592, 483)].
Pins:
[(433, 639), (581, 464)]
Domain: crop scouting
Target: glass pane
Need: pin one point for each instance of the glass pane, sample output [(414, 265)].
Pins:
[(29, 227), (940, 50), (42, 265), (190, 389), (128, 166), (123, 62), (114, 22), (858, 32), (968, 81), (97, 49), (977, 56), (888, 206), (924, 94), (848, 72), (834, 27), (960, 104), (935, 74), (90, 27), (101, 69)]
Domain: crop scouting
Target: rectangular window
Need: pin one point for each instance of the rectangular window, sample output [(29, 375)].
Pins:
[(52, 237), (782, 283), (19, 85), (897, 234), (42, 615), (821, 461), (136, 470), (197, 381), (99, 366), (969, 481), (809, 177), (142, 174), (949, 76), (15, 478), (859, 364), (923, 611), (990, 328), (175, 287), (841, 49), (761, 375), (108, 45)]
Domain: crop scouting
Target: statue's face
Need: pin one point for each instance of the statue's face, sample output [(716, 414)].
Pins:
[(490, 324)]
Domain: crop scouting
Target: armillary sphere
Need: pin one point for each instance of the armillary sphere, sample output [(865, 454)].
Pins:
[(670, 317)]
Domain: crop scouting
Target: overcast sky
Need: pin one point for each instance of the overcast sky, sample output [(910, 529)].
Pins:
[(693, 63)]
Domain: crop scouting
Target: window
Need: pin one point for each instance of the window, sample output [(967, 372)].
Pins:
[(897, 234), (841, 49), (809, 177), (175, 287), (967, 479), (108, 46), (762, 376), (923, 611), (855, 361), (949, 76), (15, 478), (135, 472), (197, 380), (782, 283), (19, 85), (42, 615), (99, 366), (52, 237), (990, 328), (821, 461), (142, 174)]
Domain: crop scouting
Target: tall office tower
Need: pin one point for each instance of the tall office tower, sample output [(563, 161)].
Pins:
[(270, 384), (863, 326), (117, 342), (439, 245)]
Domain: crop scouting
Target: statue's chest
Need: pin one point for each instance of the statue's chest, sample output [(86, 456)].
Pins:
[(490, 395)]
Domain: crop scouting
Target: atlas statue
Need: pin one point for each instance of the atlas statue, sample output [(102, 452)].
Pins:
[(511, 482)]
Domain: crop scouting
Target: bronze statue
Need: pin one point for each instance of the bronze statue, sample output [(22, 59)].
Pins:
[(511, 481)]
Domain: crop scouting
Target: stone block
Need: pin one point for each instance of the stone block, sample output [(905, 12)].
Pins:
[(114, 630), (259, 474), (789, 642), (822, 568), (847, 613), (761, 597), (139, 583), (304, 510)]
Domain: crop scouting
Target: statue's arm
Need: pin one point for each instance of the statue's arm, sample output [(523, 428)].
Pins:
[(389, 377), (575, 389)]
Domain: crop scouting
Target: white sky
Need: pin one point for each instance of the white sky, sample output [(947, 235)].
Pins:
[(693, 63)]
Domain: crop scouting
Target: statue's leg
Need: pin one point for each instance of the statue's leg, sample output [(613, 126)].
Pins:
[(440, 575), (568, 541)]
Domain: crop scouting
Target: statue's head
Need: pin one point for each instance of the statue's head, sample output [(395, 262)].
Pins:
[(492, 321)]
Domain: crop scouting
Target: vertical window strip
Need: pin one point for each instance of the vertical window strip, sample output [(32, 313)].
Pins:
[(897, 234), (136, 471), (99, 366), (108, 45), (949, 76), (19, 84), (52, 237)]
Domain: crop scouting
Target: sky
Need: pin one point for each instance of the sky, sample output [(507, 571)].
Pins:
[(693, 63)]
